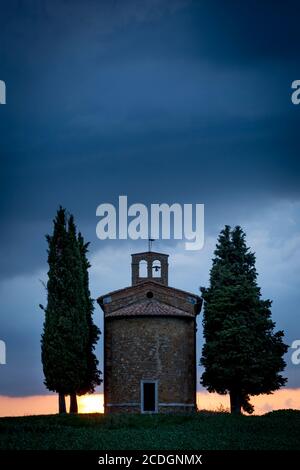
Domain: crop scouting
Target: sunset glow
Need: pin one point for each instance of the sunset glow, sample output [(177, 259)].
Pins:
[(47, 404), (282, 399), (91, 403)]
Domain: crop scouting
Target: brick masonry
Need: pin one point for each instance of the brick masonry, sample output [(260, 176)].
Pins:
[(149, 334), (153, 348), (151, 259)]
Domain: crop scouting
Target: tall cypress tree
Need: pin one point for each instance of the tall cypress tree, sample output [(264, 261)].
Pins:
[(79, 329), (92, 378), (68, 327), (242, 354), (53, 340)]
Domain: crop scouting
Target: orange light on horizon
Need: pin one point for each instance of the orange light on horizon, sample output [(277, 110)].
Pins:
[(91, 403), (281, 399), (48, 404)]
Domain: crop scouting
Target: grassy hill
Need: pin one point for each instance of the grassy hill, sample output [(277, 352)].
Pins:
[(201, 431)]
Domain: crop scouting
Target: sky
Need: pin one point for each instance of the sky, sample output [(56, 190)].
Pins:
[(163, 101)]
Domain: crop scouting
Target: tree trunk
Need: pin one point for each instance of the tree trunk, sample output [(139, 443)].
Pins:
[(235, 402), (61, 403), (73, 403)]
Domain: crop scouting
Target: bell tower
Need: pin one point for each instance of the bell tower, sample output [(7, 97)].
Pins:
[(149, 265)]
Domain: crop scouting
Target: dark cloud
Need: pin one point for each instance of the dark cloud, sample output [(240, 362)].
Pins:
[(180, 101)]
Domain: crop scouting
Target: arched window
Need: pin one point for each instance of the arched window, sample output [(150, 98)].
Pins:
[(156, 268), (143, 268)]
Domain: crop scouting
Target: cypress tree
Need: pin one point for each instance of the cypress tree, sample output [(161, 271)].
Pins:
[(92, 378), (79, 330), (242, 354), (53, 338), (69, 335)]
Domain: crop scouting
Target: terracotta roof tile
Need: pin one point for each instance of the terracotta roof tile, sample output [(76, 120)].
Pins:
[(149, 308)]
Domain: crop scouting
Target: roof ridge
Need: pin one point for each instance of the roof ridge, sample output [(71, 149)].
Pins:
[(145, 282), (149, 252)]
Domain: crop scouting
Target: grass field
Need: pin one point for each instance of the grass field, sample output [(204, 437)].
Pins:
[(201, 431)]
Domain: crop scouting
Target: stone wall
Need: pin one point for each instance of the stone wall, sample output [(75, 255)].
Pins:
[(153, 348)]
